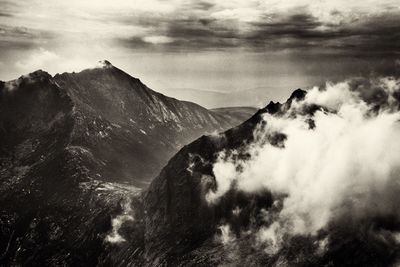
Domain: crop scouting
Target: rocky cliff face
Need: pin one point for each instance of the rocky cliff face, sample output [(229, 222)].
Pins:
[(75, 150)]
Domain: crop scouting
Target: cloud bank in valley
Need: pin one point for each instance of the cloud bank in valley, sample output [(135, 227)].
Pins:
[(339, 158)]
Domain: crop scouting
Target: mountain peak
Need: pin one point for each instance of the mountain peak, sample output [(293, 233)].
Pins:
[(36, 76), (298, 94), (104, 64), (33, 77)]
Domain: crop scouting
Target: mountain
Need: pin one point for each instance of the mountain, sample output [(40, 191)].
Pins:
[(183, 228), (123, 123), (69, 198), (242, 113), (75, 151), (254, 97), (129, 130), (208, 99)]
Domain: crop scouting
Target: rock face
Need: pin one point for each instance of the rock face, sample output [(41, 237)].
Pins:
[(75, 150)]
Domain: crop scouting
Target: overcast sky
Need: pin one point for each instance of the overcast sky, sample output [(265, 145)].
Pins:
[(208, 45)]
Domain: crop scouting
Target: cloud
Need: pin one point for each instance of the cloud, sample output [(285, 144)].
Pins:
[(240, 14), (37, 60), (339, 160), (20, 37), (158, 39), (41, 58), (251, 24), (87, 31), (117, 222)]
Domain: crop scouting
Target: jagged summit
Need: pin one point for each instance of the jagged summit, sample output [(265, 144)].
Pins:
[(273, 107), (101, 65), (31, 78), (297, 94), (104, 64)]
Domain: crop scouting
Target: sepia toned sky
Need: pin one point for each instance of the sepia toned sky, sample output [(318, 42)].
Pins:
[(207, 44)]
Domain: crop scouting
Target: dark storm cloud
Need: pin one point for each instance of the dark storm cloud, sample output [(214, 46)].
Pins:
[(377, 35), (371, 35), (346, 28), (186, 34)]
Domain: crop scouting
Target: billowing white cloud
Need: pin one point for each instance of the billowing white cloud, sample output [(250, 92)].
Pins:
[(346, 165), (41, 58)]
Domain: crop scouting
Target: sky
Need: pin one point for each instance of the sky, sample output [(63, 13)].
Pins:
[(206, 45)]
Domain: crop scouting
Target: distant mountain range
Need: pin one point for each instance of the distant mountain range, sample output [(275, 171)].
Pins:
[(254, 97), (74, 149)]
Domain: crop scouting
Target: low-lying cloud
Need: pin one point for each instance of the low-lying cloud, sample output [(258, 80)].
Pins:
[(339, 158), (114, 236)]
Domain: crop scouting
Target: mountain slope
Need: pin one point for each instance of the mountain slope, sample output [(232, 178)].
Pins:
[(47, 194), (75, 151), (242, 113), (131, 129), (213, 99)]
